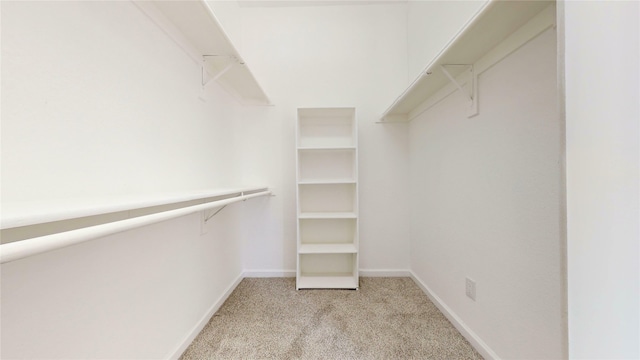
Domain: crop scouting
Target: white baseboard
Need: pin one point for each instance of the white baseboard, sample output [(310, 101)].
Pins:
[(184, 344), (384, 273), (269, 273), (471, 336)]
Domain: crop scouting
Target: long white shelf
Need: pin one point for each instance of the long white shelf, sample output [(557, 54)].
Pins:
[(327, 249), (492, 24), (25, 248), (193, 25), (328, 281), (327, 215), (30, 213)]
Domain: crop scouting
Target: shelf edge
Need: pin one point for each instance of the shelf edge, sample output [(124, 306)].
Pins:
[(162, 21), (389, 116), (463, 29)]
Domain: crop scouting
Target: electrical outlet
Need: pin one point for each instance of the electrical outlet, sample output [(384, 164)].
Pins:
[(471, 289)]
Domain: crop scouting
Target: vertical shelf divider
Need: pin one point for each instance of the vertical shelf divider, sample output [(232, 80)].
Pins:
[(327, 198)]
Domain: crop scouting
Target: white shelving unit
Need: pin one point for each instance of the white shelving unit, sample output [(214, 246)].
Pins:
[(496, 30), (327, 198), (193, 25)]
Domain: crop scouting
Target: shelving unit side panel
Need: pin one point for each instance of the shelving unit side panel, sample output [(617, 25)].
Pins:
[(298, 211), (355, 266)]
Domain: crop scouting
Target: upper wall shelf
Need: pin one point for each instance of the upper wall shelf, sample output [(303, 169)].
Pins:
[(45, 235), (32, 213), (492, 24), (193, 25)]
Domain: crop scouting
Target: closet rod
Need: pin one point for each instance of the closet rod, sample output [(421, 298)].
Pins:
[(25, 248)]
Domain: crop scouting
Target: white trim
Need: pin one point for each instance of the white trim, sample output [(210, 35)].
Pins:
[(269, 273), (188, 339), (384, 273), (457, 322)]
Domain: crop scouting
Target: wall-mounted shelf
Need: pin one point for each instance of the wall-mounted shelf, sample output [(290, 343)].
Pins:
[(193, 25), (44, 234), (490, 26), (18, 214)]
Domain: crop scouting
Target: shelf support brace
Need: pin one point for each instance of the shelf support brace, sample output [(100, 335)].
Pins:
[(456, 83), (472, 94), (234, 61), (207, 218)]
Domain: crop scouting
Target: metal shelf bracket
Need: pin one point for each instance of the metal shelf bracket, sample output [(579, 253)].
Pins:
[(471, 95), (234, 61)]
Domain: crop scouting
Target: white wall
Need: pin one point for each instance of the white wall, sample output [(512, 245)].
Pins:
[(99, 102), (229, 15), (134, 295), (114, 108), (331, 56), (487, 205), (431, 25), (602, 55)]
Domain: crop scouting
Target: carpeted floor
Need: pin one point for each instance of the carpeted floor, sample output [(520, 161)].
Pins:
[(388, 318)]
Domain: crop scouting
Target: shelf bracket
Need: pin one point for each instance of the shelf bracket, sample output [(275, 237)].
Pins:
[(205, 217), (234, 61), (208, 217), (467, 95), (470, 95)]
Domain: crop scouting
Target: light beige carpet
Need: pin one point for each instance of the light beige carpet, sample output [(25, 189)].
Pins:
[(388, 318)]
